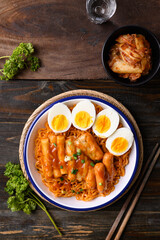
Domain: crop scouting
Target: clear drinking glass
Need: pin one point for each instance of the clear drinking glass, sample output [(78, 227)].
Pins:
[(100, 11)]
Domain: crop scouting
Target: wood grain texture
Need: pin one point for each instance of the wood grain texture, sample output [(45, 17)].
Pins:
[(18, 100), (67, 43), (69, 47)]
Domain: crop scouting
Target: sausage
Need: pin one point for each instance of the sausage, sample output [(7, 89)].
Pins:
[(108, 162), (90, 178), (99, 170), (47, 160), (88, 145), (61, 154), (53, 146)]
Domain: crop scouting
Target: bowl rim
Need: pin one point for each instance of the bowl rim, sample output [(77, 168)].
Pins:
[(117, 80), (73, 208)]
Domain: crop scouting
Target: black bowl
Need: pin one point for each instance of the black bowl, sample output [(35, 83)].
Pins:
[(155, 47)]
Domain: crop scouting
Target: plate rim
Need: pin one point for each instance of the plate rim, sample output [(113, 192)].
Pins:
[(74, 98)]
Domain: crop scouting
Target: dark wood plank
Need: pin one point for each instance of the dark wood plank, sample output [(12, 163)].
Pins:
[(18, 100), (68, 44), (69, 47)]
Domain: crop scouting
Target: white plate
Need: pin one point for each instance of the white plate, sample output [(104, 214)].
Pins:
[(72, 203)]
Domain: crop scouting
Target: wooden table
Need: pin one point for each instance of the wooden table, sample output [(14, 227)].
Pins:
[(69, 47)]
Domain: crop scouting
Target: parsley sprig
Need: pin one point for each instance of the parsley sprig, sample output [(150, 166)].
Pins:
[(22, 57), (22, 196)]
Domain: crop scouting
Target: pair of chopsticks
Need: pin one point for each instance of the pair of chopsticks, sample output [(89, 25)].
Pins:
[(138, 188)]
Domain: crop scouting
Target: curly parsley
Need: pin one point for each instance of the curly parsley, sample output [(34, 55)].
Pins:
[(22, 57), (22, 196)]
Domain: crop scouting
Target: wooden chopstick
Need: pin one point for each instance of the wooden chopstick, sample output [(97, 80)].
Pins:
[(137, 196), (141, 182)]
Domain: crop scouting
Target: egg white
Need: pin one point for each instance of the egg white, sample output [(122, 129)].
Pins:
[(124, 132), (114, 120), (87, 106), (59, 109)]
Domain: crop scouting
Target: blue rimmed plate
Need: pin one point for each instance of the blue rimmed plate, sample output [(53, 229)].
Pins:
[(38, 120)]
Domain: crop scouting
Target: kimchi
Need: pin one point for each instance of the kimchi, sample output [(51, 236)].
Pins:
[(130, 57)]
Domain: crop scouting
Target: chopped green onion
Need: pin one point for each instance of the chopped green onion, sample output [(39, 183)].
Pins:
[(100, 184), (78, 192), (69, 142), (82, 161), (75, 155), (79, 152), (81, 190), (62, 178), (61, 167), (55, 144), (75, 158), (73, 191), (92, 164), (74, 171), (67, 158)]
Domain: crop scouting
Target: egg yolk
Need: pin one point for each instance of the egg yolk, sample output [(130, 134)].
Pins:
[(83, 119), (59, 123), (119, 145), (102, 124)]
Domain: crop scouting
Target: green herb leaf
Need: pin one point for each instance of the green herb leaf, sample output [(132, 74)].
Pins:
[(21, 195), (82, 161), (55, 144), (21, 58), (12, 169), (33, 63)]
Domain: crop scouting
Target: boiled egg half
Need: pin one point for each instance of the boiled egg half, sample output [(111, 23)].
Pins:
[(106, 123), (83, 115), (120, 141), (59, 118)]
